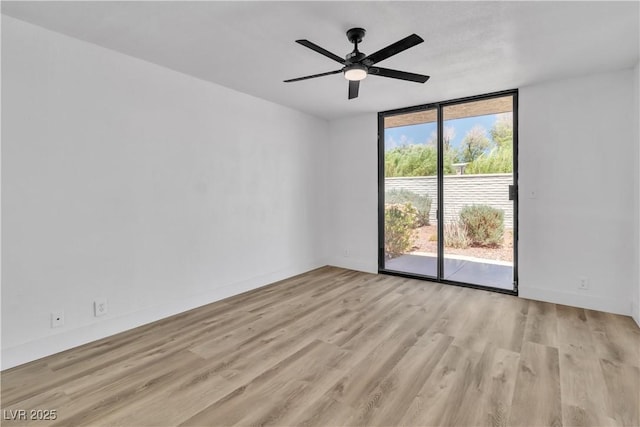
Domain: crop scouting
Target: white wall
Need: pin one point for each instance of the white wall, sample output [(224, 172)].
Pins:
[(352, 189), (157, 191), (635, 312), (576, 151)]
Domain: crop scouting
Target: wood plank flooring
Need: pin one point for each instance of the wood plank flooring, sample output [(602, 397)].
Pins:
[(335, 347)]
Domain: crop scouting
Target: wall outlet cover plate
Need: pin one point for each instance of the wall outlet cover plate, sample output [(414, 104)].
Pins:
[(100, 307)]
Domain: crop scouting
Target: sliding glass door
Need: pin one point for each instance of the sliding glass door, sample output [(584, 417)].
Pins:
[(410, 190), (447, 191)]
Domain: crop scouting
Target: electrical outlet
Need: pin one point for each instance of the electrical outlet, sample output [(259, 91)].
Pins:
[(583, 283), (346, 253), (57, 319), (100, 307)]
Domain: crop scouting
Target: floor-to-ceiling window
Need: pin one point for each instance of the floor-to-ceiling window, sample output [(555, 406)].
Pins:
[(448, 191)]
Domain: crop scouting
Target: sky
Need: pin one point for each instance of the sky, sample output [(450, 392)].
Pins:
[(421, 134)]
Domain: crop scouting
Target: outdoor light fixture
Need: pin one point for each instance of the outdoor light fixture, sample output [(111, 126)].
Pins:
[(355, 72)]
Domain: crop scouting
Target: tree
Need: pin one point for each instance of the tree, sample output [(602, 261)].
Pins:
[(415, 160), (500, 158), (447, 136), (411, 160), (502, 130), (474, 144)]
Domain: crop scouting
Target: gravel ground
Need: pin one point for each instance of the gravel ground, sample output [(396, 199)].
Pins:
[(423, 243)]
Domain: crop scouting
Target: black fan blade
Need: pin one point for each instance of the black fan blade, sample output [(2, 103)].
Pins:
[(313, 76), (395, 74), (320, 50), (394, 49), (354, 87)]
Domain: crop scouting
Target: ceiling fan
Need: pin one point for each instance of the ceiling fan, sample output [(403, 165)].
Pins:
[(357, 65)]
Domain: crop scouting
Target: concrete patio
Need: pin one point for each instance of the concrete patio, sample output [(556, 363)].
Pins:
[(476, 271)]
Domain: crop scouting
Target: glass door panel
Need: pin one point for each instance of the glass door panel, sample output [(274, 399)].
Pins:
[(409, 193), (478, 210)]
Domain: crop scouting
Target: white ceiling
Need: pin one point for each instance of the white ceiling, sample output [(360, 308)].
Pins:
[(470, 47)]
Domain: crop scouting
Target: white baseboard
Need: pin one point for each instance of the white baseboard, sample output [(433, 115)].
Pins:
[(574, 299), (354, 264), (46, 346)]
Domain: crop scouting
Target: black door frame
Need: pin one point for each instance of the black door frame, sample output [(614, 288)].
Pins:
[(439, 106)]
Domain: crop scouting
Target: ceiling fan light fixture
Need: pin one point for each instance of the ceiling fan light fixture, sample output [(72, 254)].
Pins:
[(355, 72)]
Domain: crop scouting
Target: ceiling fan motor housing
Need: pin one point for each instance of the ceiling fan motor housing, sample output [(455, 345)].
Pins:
[(353, 57)]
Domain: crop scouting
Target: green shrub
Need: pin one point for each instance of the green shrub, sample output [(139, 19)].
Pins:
[(411, 160), (455, 235), (416, 160), (484, 225), (499, 160), (420, 202), (399, 221)]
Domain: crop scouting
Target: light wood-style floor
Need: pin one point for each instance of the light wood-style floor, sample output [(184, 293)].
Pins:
[(335, 347)]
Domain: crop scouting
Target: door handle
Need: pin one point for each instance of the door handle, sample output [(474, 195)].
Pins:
[(513, 190)]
